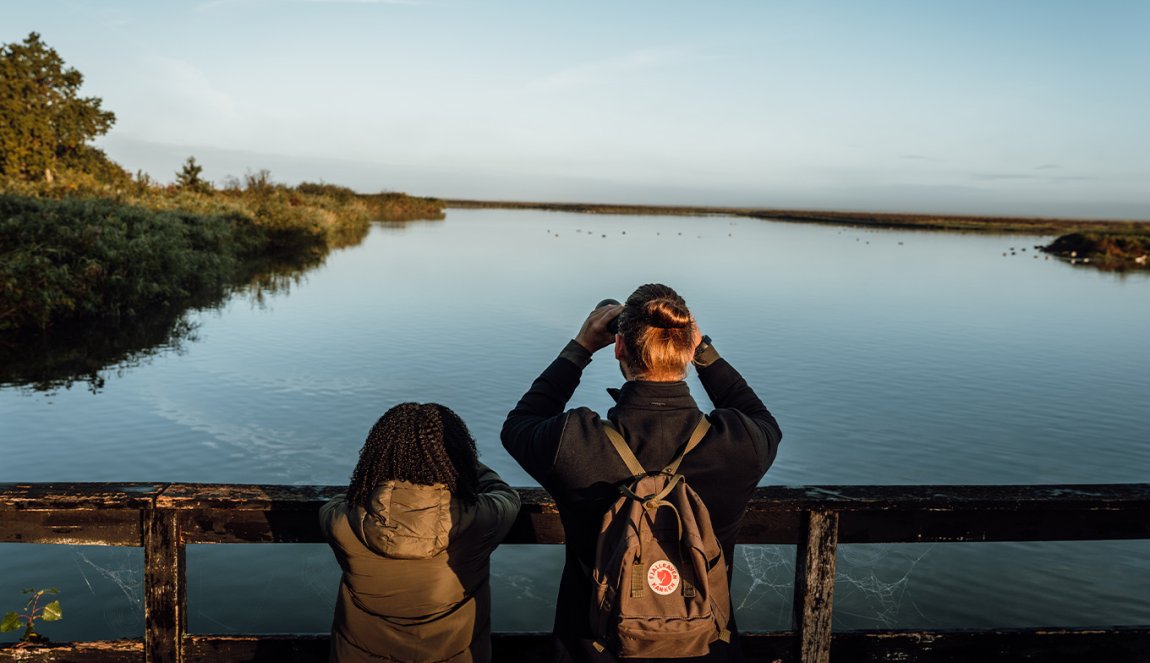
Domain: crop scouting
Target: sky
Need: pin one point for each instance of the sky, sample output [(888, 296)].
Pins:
[(1022, 107)]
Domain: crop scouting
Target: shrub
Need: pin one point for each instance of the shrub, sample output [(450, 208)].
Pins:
[(402, 207), (96, 259)]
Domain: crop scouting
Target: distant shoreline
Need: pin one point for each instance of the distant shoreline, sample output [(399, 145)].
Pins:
[(890, 220)]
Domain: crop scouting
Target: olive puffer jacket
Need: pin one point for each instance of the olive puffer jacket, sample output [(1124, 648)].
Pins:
[(415, 571)]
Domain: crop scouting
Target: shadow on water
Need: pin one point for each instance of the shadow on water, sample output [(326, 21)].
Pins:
[(91, 353)]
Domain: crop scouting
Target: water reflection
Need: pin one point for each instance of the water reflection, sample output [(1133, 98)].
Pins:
[(91, 353)]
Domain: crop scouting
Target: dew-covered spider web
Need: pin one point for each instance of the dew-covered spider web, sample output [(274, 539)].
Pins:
[(873, 586), (118, 569)]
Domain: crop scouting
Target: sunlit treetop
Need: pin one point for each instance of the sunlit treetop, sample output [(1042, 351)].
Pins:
[(45, 125)]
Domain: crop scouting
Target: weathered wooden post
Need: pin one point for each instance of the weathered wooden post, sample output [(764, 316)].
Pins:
[(165, 601), (815, 585)]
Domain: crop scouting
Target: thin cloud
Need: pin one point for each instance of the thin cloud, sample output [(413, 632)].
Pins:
[(601, 71), (995, 177), (359, 2), (919, 157), (1048, 166), (213, 4)]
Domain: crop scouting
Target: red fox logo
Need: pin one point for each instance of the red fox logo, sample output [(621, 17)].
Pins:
[(663, 577)]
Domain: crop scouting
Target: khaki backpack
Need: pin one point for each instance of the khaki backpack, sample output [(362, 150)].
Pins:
[(660, 578)]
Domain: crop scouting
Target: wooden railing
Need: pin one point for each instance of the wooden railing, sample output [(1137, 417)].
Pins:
[(164, 518)]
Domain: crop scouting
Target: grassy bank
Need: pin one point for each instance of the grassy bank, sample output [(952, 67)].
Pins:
[(80, 249), (402, 207), (386, 206), (73, 260)]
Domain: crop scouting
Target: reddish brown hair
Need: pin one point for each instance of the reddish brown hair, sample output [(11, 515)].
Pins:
[(658, 333)]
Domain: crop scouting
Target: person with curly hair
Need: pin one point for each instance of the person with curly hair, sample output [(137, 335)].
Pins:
[(656, 342), (414, 535)]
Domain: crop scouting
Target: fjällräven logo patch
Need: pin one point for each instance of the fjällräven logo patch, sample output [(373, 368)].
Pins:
[(663, 577)]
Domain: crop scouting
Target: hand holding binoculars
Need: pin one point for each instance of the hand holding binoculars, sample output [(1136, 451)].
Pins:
[(612, 326)]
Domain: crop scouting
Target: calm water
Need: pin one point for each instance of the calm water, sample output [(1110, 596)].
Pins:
[(888, 357)]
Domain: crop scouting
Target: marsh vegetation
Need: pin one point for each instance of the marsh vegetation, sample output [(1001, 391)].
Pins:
[(104, 262)]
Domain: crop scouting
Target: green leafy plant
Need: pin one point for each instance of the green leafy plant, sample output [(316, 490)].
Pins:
[(48, 612)]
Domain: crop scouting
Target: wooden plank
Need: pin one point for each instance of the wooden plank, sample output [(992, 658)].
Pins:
[(59, 496), (225, 513), (1117, 644), (229, 513), (762, 525), (539, 523), (72, 527), (1089, 497), (249, 526), (104, 651), (1052, 524), (165, 599), (245, 497), (290, 514), (935, 513), (1132, 497), (815, 586), (262, 648), (509, 647), (538, 520)]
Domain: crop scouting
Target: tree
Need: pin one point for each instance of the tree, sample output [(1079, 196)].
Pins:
[(44, 124), (188, 176)]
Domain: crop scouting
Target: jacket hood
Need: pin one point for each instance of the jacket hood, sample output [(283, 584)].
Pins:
[(405, 520)]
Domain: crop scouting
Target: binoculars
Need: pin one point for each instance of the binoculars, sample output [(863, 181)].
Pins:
[(612, 326)]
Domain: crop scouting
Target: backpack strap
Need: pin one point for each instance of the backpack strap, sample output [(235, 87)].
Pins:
[(633, 463), (697, 436), (623, 450)]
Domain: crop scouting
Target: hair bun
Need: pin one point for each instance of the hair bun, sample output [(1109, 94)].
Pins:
[(666, 313)]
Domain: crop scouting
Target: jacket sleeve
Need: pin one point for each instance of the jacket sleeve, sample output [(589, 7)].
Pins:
[(728, 390), (534, 428), (335, 508), (498, 505)]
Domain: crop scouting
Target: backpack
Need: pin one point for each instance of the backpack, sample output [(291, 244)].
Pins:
[(660, 578)]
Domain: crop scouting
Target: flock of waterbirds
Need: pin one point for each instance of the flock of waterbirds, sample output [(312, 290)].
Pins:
[(1012, 251)]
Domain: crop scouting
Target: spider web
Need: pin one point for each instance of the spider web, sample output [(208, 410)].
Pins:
[(122, 569), (872, 585)]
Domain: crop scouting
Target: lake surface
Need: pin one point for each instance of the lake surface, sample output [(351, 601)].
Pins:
[(889, 357)]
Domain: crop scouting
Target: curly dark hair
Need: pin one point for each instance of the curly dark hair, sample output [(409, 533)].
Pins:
[(422, 443)]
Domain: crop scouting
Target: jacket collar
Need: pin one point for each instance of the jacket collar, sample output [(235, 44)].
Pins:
[(653, 395)]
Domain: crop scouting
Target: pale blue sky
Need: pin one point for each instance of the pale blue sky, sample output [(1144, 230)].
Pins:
[(1016, 107)]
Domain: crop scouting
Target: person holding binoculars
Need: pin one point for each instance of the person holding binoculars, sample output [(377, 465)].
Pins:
[(655, 340)]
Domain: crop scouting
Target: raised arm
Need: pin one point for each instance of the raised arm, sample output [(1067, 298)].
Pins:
[(534, 427), (728, 390)]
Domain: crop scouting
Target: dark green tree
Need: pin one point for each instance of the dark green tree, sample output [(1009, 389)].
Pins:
[(188, 176), (45, 124)]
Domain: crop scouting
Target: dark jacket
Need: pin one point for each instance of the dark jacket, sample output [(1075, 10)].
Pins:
[(415, 571), (567, 452)]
